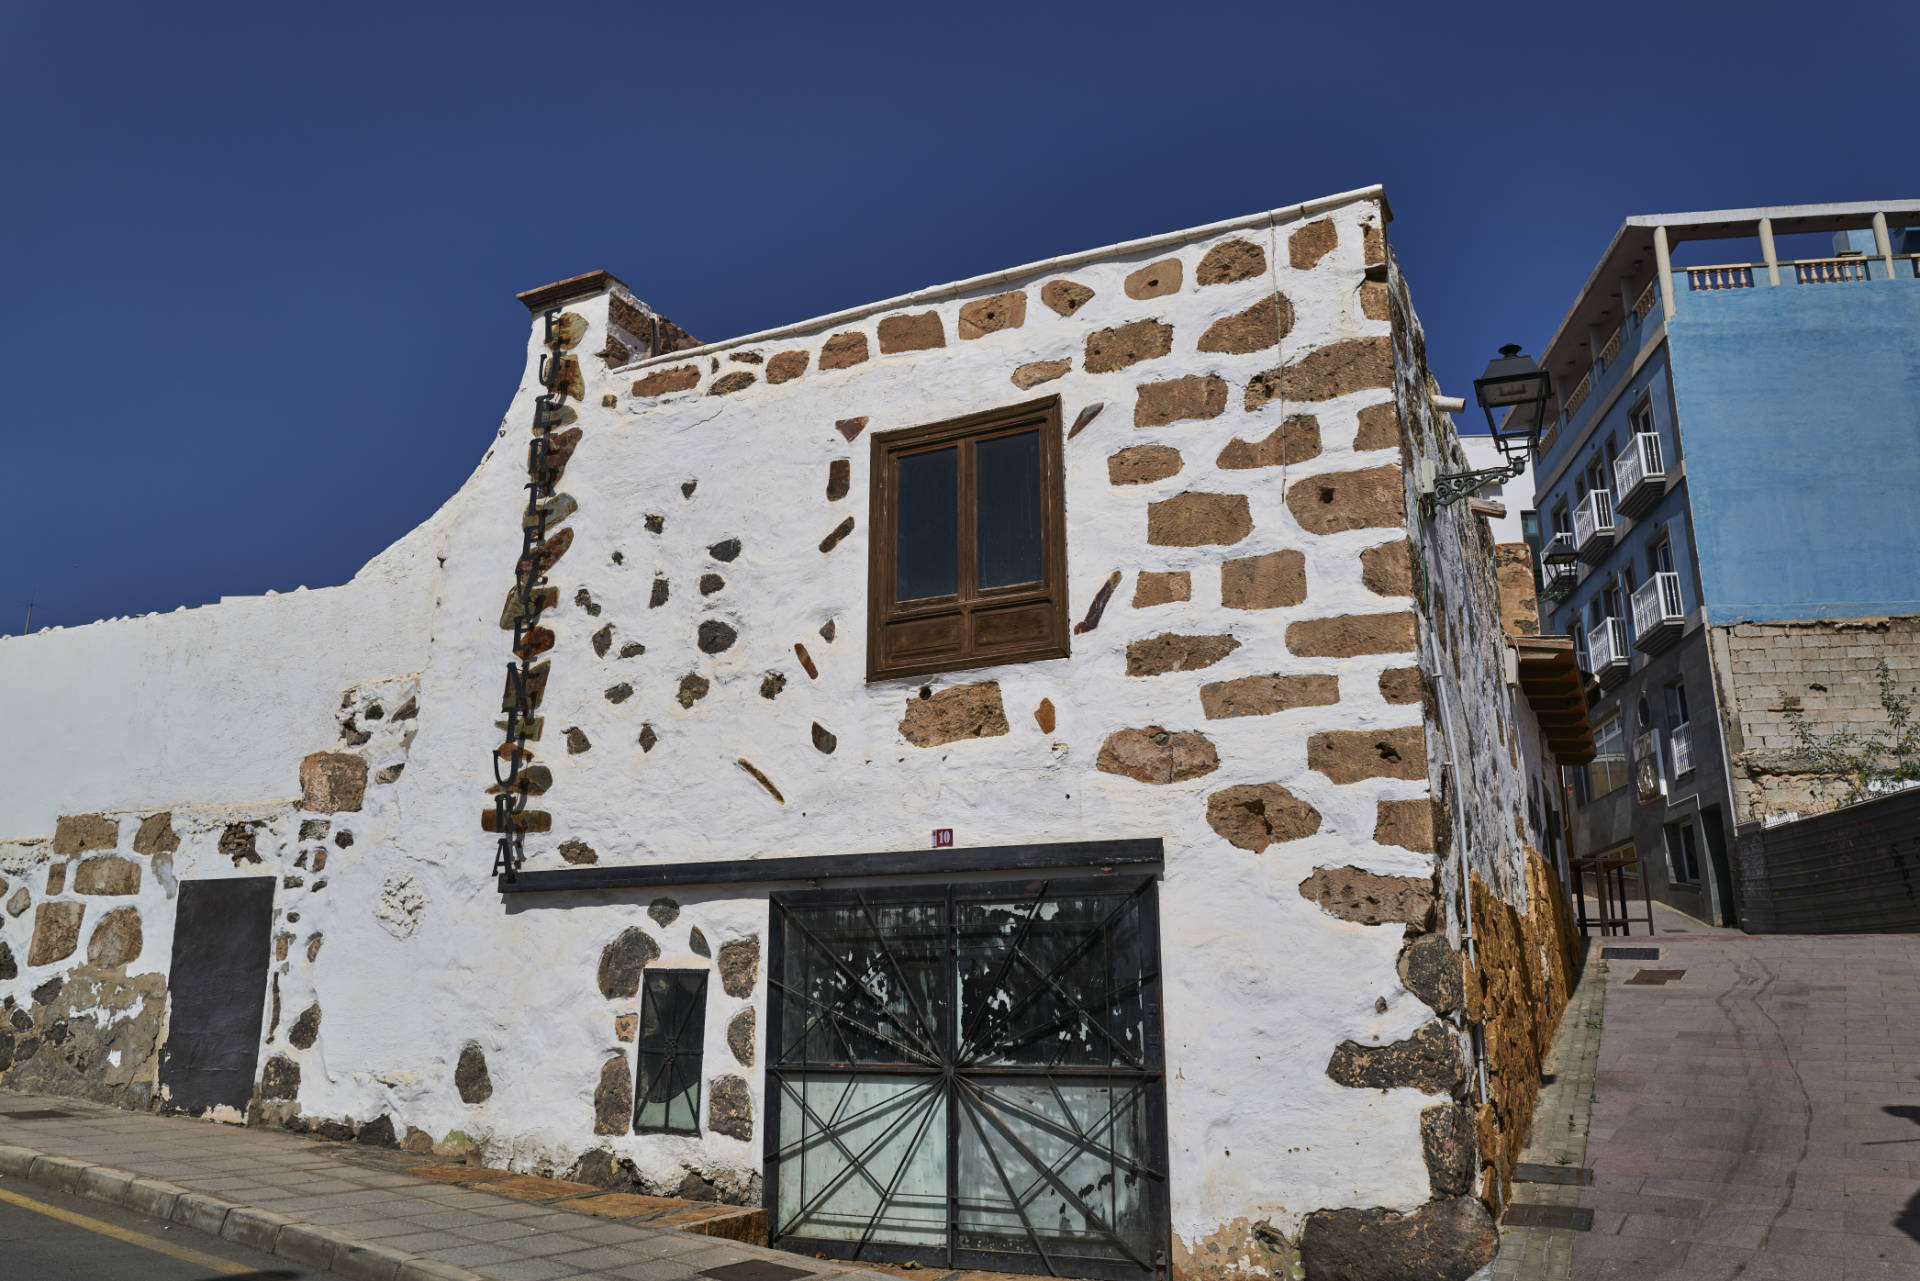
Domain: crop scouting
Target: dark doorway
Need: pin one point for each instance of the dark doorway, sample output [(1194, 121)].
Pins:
[(221, 936), (1722, 868), (970, 1076)]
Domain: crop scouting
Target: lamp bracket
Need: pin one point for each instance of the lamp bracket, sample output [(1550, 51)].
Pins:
[(1443, 489)]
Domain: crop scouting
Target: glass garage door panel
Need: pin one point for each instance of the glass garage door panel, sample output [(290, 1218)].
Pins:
[(860, 983), (863, 1159)]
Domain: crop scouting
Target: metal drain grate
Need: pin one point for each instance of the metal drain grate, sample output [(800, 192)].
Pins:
[(755, 1270), (1578, 1218), (1565, 1175), (1629, 953), (36, 1114), (1654, 978)]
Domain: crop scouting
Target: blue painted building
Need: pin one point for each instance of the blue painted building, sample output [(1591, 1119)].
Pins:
[(1731, 464)]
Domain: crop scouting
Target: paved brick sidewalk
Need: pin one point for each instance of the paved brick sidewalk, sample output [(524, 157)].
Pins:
[(364, 1198), (1759, 1116)]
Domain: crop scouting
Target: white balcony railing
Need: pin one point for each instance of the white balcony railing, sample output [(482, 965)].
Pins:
[(1607, 652), (1578, 396), (1612, 349), (1593, 524), (1657, 612), (1681, 740), (1644, 303), (1829, 271), (1639, 473), (1729, 276)]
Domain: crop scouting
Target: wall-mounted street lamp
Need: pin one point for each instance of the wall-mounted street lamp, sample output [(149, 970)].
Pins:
[(1519, 388)]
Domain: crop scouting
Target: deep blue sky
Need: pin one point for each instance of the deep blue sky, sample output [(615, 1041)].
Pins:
[(260, 260)]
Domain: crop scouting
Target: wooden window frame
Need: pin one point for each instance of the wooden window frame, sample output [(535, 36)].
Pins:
[(883, 611)]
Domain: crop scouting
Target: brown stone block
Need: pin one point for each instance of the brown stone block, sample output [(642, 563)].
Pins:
[(78, 833), (843, 350), (1043, 716), (332, 782), (1372, 498), (1157, 755), (659, 383), (785, 366), (1338, 369), (56, 932), (1155, 280), (1407, 824), (543, 556), (1264, 695), (730, 1108), (1379, 427), (1349, 755), (1351, 634), (1032, 375), (1428, 1061), (156, 835), (727, 384), (1260, 326), (1402, 685), (612, 1114), (1124, 345), (1256, 815), (1143, 464), (1444, 1240), (985, 316), (1370, 899), (1431, 969), (840, 531), (116, 940), (1170, 652), (739, 966), (1231, 260), (1307, 246), (911, 333), (1375, 302), (1513, 580), (1294, 441), (1268, 581), (1195, 519), (543, 599), (1387, 570), (955, 713), (1374, 241), (1065, 296), (1153, 587), (839, 479), (1177, 399), (106, 876), (521, 821)]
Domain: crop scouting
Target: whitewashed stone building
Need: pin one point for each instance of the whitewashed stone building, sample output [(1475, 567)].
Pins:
[(1001, 776)]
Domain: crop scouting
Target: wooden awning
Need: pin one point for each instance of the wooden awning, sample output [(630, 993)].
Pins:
[(1550, 678)]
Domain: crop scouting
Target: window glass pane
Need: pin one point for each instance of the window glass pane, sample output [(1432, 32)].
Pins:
[(673, 1009), (1008, 474), (928, 497)]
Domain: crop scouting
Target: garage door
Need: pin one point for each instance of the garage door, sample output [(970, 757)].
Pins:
[(969, 1076)]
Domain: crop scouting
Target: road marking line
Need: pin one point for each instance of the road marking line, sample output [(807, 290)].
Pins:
[(105, 1229)]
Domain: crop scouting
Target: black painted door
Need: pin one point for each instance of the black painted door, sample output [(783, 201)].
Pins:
[(221, 939)]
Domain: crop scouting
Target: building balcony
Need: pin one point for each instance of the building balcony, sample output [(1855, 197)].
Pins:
[(1657, 614), (1593, 526), (1639, 474), (1680, 742), (1607, 652), (1844, 270)]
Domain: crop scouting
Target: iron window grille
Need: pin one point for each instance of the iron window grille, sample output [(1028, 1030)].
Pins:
[(969, 1076), (672, 1049)]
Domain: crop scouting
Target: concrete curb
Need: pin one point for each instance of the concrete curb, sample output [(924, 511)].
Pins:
[(309, 1245)]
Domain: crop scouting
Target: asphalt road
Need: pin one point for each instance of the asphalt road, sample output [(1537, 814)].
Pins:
[(47, 1235)]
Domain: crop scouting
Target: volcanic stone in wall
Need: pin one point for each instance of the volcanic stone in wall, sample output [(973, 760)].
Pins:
[(1065, 296), (1258, 327), (1368, 898), (664, 911), (955, 713), (1450, 1144), (1172, 652), (1157, 755), (306, 1029), (1445, 1240), (1031, 375), (715, 637), (1179, 399), (56, 932), (280, 1079), (785, 366), (727, 384), (910, 333), (603, 640), (1142, 464), (332, 782), (1346, 635), (1195, 519), (840, 531), (730, 1108), (1296, 440), (1379, 427), (156, 835), (78, 833), (739, 964), (617, 694), (470, 1075), (20, 902), (1155, 588), (1349, 755), (693, 688), (1407, 824), (613, 1097), (1430, 969), (1337, 369), (1231, 260), (1155, 280), (1428, 1061), (1268, 581), (985, 316), (1256, 815), (1375, 302), (116, 940), (1307, 246), (843, 350), (622, 960), (1387, 570), (740, 1029), (1113, 349), (577, 741), (578, 852), (110, 875), (1265, 695), (1371, 498), (681, 378), (839, 479)]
